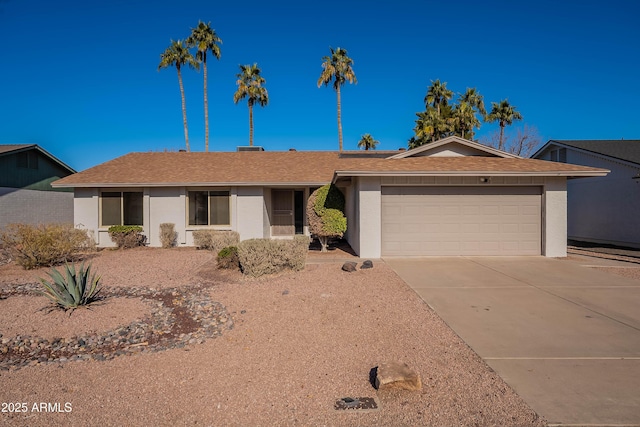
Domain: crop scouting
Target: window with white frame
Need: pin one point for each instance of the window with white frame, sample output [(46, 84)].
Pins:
[(209, 207), (121, 208)]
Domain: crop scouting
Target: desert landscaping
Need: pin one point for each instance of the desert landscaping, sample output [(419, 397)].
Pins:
[(280, 350)]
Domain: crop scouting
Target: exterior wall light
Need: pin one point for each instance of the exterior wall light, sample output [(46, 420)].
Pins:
[(485, 179)]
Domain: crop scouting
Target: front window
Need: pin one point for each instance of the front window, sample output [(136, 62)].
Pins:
[(121, 208), (209, 208)]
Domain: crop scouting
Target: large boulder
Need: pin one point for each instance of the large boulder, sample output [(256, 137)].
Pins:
[(397, 375)]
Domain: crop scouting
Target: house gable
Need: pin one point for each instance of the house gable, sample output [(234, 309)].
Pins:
[(453, 146), (621, 151), (30, 167)]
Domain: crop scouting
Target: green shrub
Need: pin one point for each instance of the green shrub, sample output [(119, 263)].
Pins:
[(73, 289), (265, 256), (325, 214), (328, 197), (228, 258), (215, 240), (334, 223), (168, 235), (44, 245), (127, 236)]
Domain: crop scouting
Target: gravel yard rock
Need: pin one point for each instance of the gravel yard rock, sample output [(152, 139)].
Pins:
[(299, 343)]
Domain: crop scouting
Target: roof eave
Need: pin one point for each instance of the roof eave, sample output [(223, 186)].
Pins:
[(595, 173), (186, 184)]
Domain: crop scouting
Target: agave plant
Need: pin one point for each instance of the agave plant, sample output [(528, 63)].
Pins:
[(73, 289)]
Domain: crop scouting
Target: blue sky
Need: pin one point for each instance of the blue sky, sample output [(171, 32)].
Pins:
[(80, 77)]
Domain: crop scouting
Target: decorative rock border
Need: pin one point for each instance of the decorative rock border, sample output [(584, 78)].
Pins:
[(179, 317)]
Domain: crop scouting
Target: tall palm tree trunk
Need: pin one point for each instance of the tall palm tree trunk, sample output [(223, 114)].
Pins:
[(339, 119), (250, 125), (206, 105), (501, 143), (184, 111)]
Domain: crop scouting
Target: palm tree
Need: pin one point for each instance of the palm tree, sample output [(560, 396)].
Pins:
[(505, 114), (205, 39), (250, 86), (431, 125), (337, 67), (178, 55), (476, 101), (367, 142), (464, 119), (437, 94)]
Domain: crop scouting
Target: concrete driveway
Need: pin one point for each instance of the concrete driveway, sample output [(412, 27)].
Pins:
[(565, 336)]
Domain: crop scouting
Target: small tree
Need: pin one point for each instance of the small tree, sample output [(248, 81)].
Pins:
[(325, 214), (523, 142)]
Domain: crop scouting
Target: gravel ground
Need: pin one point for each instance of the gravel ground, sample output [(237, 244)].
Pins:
[(299, 342)]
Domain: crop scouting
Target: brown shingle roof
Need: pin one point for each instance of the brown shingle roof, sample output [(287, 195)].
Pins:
[(288, 168)]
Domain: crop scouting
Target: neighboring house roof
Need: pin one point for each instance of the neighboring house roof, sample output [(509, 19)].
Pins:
[(621, 149), (295, 168), (7, 149)]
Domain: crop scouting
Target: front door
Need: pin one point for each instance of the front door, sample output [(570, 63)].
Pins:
[(288, 212)]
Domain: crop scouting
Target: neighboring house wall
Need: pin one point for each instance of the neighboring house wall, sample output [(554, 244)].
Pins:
[(37, 173), (34, 207), (26, 195), (604, 209)]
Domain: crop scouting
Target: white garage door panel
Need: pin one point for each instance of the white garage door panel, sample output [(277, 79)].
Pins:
[(461, 221)]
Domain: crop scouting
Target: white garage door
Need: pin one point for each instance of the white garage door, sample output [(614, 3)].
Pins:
[(461, 221)]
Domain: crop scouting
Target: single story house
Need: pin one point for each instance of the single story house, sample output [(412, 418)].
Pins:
[(449, 197), (604, 209), (26, 195)]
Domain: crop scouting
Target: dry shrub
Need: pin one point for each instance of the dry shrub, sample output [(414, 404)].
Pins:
[(45, 244), (265, 256), (215, 240), (168, 236)]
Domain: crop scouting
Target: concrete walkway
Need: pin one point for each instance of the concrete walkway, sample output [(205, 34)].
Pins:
[(565, 336)]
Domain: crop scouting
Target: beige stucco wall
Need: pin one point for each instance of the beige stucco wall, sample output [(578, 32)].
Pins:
[(554, 214), (352, 236), (85, 211), (165, 205), (169, 204), (250, 208), (554, 206), (369, 219), (249, 212)]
